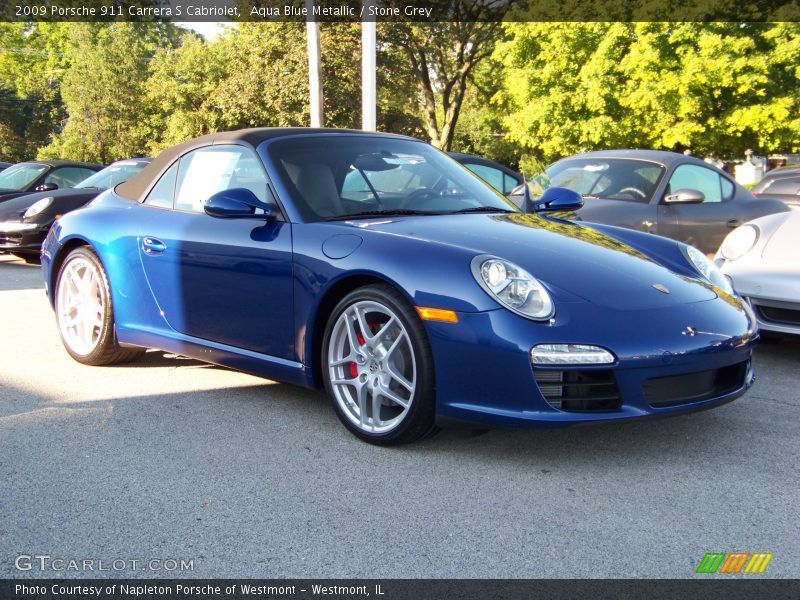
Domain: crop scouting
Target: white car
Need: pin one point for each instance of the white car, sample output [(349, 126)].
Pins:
[(762, 260)]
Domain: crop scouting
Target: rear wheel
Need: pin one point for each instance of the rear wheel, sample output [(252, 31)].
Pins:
[(379, 367), (84, 312)]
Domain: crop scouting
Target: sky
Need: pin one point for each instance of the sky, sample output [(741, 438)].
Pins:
[(207, 30)]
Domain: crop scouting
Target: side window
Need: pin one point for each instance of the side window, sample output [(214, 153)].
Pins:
[(492, 176), (727, 189), (509, 183), (65, 177), (161, 194), (207, 171), (698, 178)]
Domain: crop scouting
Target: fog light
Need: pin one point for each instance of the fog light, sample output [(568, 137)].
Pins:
[(570, 354)]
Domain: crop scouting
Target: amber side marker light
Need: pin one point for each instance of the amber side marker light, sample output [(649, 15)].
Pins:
[(437, 314)]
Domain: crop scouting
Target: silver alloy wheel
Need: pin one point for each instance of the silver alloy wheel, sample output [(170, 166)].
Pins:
[(371, 366), (80, 305)]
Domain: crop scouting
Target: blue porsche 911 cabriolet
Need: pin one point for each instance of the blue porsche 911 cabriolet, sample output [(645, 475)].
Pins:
[(378, 268)]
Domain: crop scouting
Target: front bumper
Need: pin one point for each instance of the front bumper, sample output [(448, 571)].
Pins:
[(772, 290), (15, 238), (777, 316), (484, 374)]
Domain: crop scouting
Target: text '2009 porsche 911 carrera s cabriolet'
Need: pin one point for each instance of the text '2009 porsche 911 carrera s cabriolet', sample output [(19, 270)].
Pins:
[(377, 268)]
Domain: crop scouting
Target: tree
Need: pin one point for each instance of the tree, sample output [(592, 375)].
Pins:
[(12, 125), (481, 129), (266, 82), (181, 81), (267, 79), (716, 88), (32, 62), (398, 111), (104, 90), (443, 56)]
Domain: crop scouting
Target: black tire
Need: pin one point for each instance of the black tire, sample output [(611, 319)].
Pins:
[(419, 420), (107, 350)]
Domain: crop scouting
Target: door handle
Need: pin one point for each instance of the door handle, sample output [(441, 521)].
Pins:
[(151, 245), (734, 223)]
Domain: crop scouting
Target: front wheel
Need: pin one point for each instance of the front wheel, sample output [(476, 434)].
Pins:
[(84, 312), (378, 367)]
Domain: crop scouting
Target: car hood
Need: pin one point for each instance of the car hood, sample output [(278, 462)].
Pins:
[(782, 244), (565, 256), (63, 200), (5, 196)]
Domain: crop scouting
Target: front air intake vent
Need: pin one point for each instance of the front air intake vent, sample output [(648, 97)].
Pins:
[(780, 316), (661, 392), (589, 390)]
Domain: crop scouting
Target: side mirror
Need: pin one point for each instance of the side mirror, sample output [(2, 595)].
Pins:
[(558, 199), (46, 187), (685, 196), (236, 203)]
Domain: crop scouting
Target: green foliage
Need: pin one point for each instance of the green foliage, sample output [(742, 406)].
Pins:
[(104, 91), (32, 62), (266, 83), (481, 130), (179, 87), (341, 74), (530, 166), (12, 125), (398, 110), (717, 88), (254, 75)]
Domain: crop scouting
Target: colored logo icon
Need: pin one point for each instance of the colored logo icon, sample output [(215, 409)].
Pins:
[(735, 562)]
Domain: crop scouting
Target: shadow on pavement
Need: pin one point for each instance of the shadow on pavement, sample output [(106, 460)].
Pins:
[(16, 274)]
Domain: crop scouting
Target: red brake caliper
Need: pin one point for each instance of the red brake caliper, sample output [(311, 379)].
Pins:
[(353, 367), (373, 327)]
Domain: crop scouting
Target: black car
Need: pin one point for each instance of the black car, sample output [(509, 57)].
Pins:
[(24, 221), (783, 184), (4, 165), (669, 194), (500, 177), (42, 176)]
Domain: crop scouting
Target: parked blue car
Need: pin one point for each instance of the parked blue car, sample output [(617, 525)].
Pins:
[(374, 266)]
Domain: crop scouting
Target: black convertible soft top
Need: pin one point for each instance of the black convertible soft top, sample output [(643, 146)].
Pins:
[(138, 186)]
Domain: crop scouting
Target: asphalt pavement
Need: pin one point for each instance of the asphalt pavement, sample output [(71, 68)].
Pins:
[(173, 460)]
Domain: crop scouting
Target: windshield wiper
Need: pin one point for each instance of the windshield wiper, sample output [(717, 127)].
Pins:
[(478, 209), (379, 213)]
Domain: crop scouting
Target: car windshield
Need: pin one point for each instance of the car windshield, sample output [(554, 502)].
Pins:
[(343, 177), (20, 176), (609, 178), (113, 175)]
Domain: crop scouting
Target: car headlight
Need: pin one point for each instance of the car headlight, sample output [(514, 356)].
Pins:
[(706, 268), (37, 207), (739, 242), (513, 287)]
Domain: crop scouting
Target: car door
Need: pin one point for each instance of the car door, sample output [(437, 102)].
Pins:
[(224, 280), (704, 224)]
